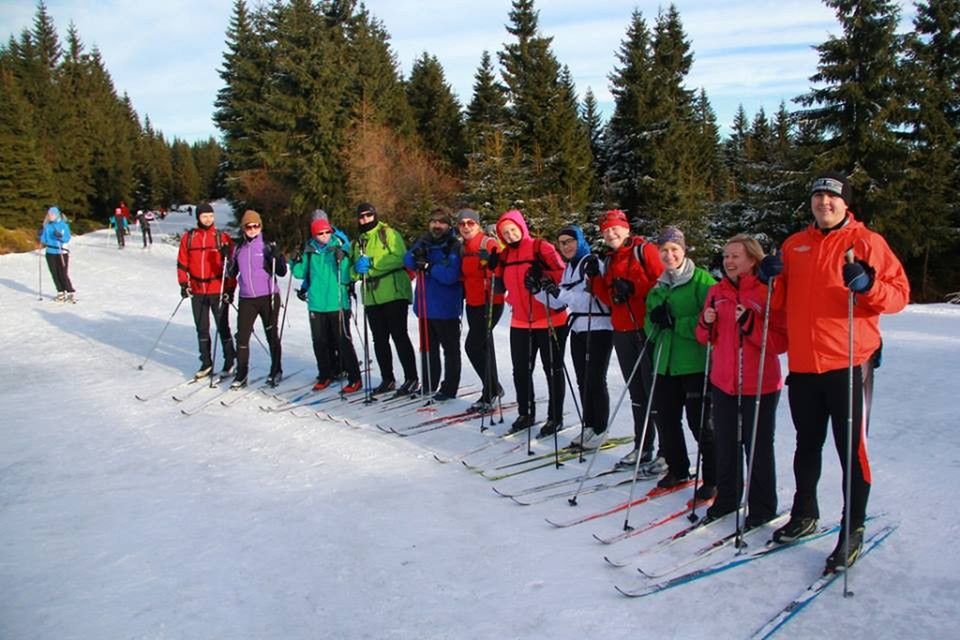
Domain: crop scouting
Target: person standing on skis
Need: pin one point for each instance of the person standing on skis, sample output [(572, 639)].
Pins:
[(200, 267), (819, 269)]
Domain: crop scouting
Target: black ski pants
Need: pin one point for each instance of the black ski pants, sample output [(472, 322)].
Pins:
[(59, 265), (389, 321), (330, 333), (480, 347), (121, 241), (445, 335), (733, 452), (674, 396), (147, 234), (267, 308), (203, 305), (815, 400), (629, 347), (590, 351), (524, 346)]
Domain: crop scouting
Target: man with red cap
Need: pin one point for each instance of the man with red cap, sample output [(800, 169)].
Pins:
[(632, 268)]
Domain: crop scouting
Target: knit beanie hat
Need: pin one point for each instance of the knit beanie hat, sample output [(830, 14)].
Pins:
[(55, 211), (468, 214), (614, 218), (671, 234), (440, 214), (833, 182), (319, 214), (203, 208), (318, 225), (366, 207), (250, 217)]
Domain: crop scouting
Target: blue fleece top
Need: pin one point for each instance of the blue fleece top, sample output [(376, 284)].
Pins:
[(441, 280), (55, 234)]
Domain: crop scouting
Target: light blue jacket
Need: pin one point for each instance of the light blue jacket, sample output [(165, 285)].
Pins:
[(54, 235)]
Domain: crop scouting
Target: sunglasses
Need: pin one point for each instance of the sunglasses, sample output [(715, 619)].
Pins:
[(323, 233), (467, 223), (365, 216), (252, 225)]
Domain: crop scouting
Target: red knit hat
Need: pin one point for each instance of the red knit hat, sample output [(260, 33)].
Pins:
[(614, 218), (318, 225)]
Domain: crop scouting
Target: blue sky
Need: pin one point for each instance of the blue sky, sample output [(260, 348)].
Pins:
[(165, 55)]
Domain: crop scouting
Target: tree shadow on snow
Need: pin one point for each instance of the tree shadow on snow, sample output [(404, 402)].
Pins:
[(136, 334)]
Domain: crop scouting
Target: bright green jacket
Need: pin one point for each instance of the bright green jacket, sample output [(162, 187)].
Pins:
[(387, 280), (680, 353), (318, 265)]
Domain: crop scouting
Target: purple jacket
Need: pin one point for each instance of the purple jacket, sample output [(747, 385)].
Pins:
[(252, 265)]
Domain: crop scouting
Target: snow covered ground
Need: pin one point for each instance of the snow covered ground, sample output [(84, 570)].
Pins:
[(127, 519)]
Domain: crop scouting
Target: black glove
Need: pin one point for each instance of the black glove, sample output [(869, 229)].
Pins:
[(184, 291), (745, 320), (770, 267), (420, 257), (492, 258), (591, 266), (532, 280), (302, 294), (622, 290), (227, 297), (298, 256), (338, 254), (58, 234), (550, 287), (661, 316), (858, 276)]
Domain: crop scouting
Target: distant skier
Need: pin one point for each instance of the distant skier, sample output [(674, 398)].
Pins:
[(54, 236), (143, 219)]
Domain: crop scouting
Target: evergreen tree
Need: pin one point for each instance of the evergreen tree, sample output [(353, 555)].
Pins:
[(858, 107), (492, 183), (207, 156), (436, 111), (25, 180), (544, 123), (186, 179), (932, 190)]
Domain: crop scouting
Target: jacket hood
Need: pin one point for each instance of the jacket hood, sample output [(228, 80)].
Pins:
[(582, 247), (515, 217)]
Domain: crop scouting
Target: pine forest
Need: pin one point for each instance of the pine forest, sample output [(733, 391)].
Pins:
[(314, 112)]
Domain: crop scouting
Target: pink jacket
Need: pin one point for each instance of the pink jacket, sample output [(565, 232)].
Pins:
[(725, 334)]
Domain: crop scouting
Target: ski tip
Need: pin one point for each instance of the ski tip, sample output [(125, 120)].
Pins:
[(615, 563)]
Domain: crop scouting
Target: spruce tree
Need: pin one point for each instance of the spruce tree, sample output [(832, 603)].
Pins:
[(436, 111), (186, 179), (857, 107), (932, 188)]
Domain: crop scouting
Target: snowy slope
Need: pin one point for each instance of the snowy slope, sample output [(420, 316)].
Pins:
[(126, 519)]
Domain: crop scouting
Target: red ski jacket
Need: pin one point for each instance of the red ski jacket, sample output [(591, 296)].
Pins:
[(475, 275), (200, 261), (639, 262)]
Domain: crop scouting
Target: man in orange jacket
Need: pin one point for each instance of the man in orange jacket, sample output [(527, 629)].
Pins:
[(822, 266)]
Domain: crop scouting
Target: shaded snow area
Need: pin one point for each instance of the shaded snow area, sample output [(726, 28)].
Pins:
[(122, 518)]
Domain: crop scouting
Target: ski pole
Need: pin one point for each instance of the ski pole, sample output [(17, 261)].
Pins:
[(643, 435), (739, 481), (552, 341), (756, 405), (40, 274), (286, 304), (530, 361), (157, 341), (487, 360), (636, 368), (219, 313), (368, 396), (586, 371), (703, 413), (849, 479), (424, 336)]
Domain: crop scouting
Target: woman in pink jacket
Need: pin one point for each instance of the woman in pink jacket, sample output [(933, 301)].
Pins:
[(732, 320), (522, 265)]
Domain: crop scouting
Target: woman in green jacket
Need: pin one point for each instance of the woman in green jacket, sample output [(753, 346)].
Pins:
[(377, 258), (673, 310), (325, 270)]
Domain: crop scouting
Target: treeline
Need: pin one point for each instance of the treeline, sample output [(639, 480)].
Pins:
[(67, 138), (315, 112)]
